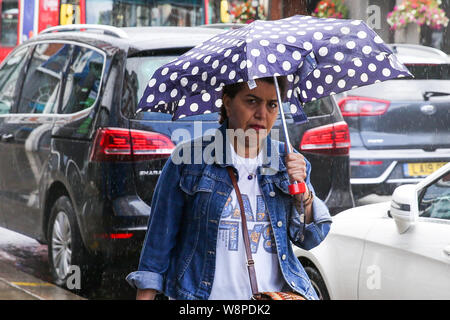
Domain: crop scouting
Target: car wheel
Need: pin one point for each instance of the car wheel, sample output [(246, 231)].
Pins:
[(317, 283), (70, 264)]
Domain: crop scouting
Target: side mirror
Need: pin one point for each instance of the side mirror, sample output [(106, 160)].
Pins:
[(404, 206)]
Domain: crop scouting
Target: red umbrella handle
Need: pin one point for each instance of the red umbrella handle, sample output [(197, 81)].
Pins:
[(297, 188)]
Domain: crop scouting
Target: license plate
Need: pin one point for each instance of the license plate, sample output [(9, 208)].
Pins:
[(421, 169)]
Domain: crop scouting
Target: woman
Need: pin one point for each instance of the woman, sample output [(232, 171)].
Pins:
[(194, 245)]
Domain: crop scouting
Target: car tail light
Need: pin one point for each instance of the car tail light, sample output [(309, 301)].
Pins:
[(361, 106), (117, 144), (332, 139)]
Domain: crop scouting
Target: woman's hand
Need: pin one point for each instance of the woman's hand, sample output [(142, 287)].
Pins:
[(145, 294), (296, 167)]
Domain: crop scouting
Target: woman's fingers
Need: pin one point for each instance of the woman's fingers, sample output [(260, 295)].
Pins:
[(296, 167)]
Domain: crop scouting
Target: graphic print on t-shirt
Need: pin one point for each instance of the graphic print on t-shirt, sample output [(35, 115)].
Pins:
[(259, 229)]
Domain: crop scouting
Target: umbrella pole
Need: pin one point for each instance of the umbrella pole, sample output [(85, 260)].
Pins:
[(296, 187)]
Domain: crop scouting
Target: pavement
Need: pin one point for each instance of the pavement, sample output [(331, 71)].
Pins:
[(17, 285)]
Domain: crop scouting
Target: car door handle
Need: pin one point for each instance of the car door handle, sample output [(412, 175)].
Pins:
[(447, 250), (7, 137)]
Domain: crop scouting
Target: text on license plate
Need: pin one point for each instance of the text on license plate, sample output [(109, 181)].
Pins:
[(421, 169)]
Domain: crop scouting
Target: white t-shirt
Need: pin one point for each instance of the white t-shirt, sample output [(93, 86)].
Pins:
[(231, 280)]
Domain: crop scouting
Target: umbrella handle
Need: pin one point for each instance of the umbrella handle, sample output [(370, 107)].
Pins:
[(296, 187)]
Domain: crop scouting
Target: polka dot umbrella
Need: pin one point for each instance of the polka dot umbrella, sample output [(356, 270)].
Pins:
[(320, 57)]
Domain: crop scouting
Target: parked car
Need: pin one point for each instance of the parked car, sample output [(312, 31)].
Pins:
[(391, 250), (399, 129), (78, 163)]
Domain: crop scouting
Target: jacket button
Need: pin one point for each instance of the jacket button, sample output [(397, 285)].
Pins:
[(279, 224), (283, 257), (272, 194)]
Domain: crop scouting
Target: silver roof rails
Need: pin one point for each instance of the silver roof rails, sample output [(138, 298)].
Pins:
[(111, 30)]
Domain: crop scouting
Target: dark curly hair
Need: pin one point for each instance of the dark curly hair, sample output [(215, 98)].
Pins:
[(232, 90)]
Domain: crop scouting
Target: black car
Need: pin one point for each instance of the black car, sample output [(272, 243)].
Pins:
[(78, 163), (399, 129)]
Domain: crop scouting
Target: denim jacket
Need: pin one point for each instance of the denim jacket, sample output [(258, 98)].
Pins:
[(178, 256)]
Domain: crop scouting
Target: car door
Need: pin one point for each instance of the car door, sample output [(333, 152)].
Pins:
[(415, 264), (31, 134), (10, 83)]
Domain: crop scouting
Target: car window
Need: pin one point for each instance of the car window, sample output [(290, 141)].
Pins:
[(9, 75), (83, 80), (319, 107), (430, 71), (44, 76), (435, 202)]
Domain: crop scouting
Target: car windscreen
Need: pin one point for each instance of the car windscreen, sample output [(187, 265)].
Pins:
[(140, 70), (430, 71)]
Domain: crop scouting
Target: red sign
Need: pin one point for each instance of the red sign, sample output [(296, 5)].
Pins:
[(48, 14)]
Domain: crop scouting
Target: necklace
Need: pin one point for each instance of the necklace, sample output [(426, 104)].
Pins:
[(251, 173)]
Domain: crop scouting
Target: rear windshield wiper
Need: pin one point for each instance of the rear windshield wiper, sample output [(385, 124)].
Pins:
[(428, 94)]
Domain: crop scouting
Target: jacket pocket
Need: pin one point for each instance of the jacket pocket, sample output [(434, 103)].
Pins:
[(198, 190), (283, 185)]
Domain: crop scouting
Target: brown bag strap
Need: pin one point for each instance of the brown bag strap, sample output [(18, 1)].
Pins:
[(248, 250)]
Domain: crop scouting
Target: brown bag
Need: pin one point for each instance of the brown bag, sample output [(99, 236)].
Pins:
[(256, 295)]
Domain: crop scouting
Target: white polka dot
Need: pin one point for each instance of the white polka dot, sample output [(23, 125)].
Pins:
[(232, 75), (291, 39), (162, 87), (320, 90), (367, 49), (207, 59), (307, 46), (293, 109), (296, 55), (378, 40), (215, 64), (316, 73), (334, 40), (152, 83), (281, 48), (372, 67), (362, 35), (213, 81), (218, 103), (194, 87), (174, 93), (380, 57), (364, 77), (174, 76), (164, 71), (358, 63), (289, 94), (345, 30), (272, 58), (186, 65), (223, 69), (290, 77), (337, 69), (264, 43), (286, 66), (206, 97), (194, 107), (304, 95), (227, 53), (249, 64), (243, 64), (318, 35), (356, 22), (181, 102), (204, 76), (184, 82), (150, 98), (342, 84), (339, 56), (262, 68), (235, 58), (351, 73), (308, 85), (255, 52), (323, 51), (351, 45), (194, 71), (386, 72), (329, 79)]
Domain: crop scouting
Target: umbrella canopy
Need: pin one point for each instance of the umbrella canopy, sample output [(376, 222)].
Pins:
[(320, 57)]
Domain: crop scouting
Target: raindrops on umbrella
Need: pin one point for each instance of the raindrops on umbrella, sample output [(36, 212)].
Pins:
[(320, 57)]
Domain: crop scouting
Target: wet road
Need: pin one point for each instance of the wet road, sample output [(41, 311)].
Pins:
[(29, 256)]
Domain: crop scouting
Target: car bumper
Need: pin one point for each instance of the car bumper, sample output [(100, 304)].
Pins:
[(373, 167)]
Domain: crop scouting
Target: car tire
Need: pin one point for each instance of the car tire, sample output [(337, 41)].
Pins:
[(67, 255), (317, 282)]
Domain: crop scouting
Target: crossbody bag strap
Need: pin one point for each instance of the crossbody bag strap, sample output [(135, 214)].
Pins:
[(250, 261)]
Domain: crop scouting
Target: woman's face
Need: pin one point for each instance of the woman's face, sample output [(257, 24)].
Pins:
[(255, 109)]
